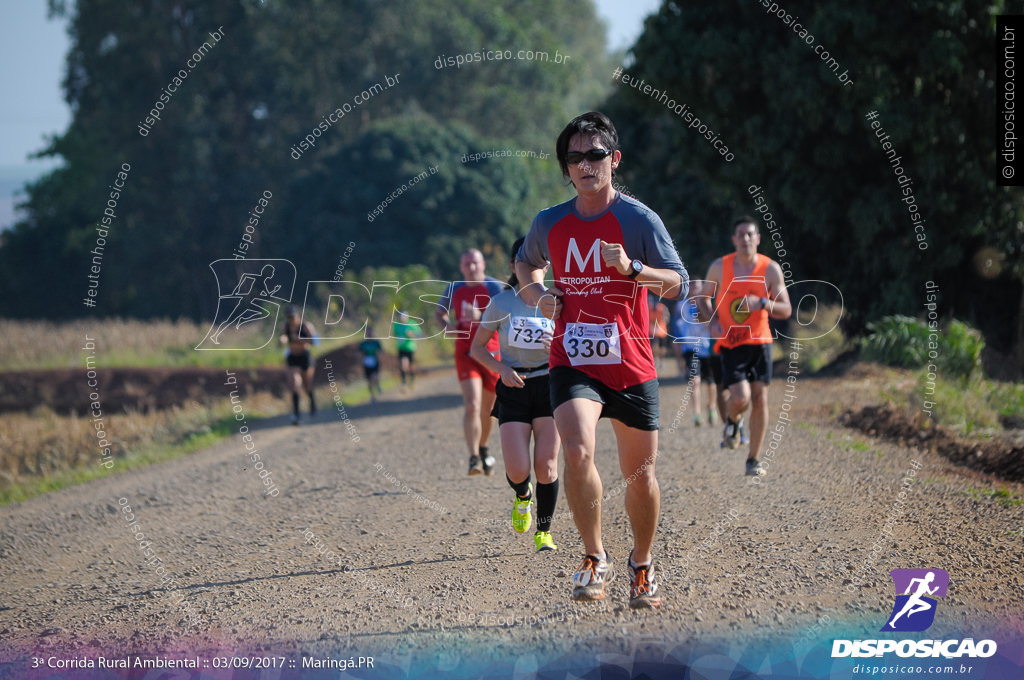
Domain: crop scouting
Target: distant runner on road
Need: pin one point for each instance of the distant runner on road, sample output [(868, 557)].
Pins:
[(407, 331), (524, 404), (606, 250), (370, 348), (466, 300), (748, 288), (692, 348), (300, 338)]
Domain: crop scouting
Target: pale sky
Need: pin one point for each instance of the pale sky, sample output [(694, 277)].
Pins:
[(32, 108), (33, 49), (625, 19)]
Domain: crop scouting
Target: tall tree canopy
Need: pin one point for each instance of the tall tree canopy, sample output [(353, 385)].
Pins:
[(801, 134), (229, 132), (432, 205)]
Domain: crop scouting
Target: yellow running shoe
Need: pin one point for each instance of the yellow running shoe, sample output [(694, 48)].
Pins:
[(543, 541), (521, 512)]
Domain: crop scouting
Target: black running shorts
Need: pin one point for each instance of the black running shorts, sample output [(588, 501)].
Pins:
[(716, 368), (698, 366), (302, 361), (635, 406), (523, 404), (752, 363)]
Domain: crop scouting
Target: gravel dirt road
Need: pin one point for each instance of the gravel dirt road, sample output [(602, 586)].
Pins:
[(378, 544)]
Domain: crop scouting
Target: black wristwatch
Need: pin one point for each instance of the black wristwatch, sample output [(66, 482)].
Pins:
[(635, 267)]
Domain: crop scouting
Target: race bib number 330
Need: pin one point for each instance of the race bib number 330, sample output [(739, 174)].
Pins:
[(592, 343)]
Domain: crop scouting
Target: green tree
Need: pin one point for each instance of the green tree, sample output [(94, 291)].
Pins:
[(801, 135), (431, 204), (226, 134)]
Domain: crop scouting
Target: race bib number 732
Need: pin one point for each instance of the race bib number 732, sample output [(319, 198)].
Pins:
[(527, 332)]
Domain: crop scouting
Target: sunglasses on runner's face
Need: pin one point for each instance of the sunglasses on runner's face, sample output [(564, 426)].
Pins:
[(592, 156)]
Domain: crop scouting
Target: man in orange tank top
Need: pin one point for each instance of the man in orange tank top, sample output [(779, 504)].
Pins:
[(748, 288)]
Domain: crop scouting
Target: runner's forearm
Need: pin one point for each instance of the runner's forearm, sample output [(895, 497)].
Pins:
[(478, 350), (666, 283), (531, 282)]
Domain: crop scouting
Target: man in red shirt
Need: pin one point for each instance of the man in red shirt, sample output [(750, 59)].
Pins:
[(748, 288), (605, 250), (466, 300)]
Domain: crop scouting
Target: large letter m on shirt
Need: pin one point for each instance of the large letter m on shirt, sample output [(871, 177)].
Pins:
[(581, 262)]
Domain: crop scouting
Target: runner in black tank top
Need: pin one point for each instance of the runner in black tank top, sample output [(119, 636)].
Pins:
[(299, 336)]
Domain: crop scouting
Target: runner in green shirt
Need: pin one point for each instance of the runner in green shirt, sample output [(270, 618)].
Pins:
[(406, 331)]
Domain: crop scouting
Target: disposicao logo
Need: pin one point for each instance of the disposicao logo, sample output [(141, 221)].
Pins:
[(914, 611)]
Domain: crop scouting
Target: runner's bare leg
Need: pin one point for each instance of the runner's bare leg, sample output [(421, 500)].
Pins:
[(637, 453), (577, 426)]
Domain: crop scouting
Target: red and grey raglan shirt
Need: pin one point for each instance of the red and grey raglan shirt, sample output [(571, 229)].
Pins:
[(603, 329), (458, 298)]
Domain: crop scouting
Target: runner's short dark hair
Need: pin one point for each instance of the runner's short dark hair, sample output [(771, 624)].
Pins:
[(746, 219), (591, 123)]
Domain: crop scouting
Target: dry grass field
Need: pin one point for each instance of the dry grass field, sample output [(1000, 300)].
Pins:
[(42, 450)]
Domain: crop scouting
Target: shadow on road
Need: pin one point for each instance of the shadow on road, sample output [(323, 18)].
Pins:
[(396, 405), (316, 572)]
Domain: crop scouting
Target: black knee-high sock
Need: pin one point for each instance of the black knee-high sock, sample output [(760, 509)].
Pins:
[(312, 402), (522, 488), (547, 497), (295, 404)]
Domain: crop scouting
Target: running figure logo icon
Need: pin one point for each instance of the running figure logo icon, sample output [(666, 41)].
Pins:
[(262, 287), (916, 590)]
